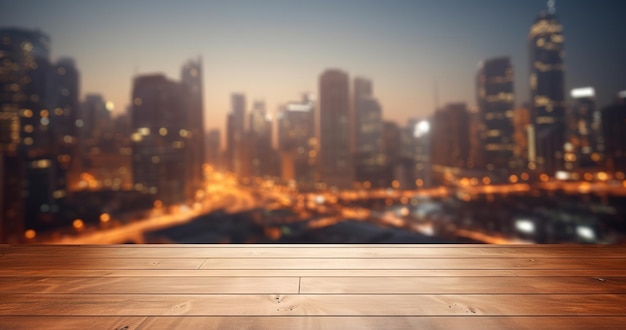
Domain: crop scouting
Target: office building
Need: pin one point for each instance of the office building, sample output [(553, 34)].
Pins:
[(545, 43), (335, 161), (584, 146), (494, 87), (369, 158), (297, 144), (191, 79), (162, 164)]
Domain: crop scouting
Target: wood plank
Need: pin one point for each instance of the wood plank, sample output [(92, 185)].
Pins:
[(57, 262), (390, 323), (435, 264), (306, 272), (75, 322), (290, 251), (50, 262), (312, 305), (461, 285), (151, 285)]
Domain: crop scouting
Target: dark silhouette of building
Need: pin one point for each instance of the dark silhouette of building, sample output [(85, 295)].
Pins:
[(235, 132), (584, 147), (494, 89), (36, 105), (162, 165), (296, 142), (191, 78), (335, 162), (450, 136), (392, 146), (545, 43), (261, 156), (369, 158), (614, 133)]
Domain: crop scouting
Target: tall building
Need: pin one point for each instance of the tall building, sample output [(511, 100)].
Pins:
[(162, 165), (235, 132), (191, 78), (584, 147), (450, 136), (522, 124), (392, 146), (614, 134), (335, 162), (369, 158), (545, 43), (296, 141), (494, 89), (261, 152), (32, 169)]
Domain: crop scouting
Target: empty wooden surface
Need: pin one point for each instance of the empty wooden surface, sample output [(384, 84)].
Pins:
[(312, 286)]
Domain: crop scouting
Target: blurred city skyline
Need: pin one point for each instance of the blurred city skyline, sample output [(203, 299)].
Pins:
[(275, 50)]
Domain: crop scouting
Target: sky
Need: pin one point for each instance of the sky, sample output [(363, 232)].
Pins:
[(274, 50)]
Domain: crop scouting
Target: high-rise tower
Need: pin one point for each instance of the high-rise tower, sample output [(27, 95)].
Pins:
[(334, 110), (191, 78), (494, 88), (545, 43)]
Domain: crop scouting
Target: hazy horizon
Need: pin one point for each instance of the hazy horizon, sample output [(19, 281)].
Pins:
[(275, 50)]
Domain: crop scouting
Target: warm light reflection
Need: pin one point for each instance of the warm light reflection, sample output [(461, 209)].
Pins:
[(105, 217), (78, 224), (30, 234)]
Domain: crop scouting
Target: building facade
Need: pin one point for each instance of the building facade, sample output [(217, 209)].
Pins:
[(545, 43), (494, 89), (335, 162)]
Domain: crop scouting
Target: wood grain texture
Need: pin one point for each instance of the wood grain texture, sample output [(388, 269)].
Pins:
[(319, 251), (434, 264), (306, 272), (151, 285), (320, 305), (461, 285), (390, 323), (312, 286), (32, 322)]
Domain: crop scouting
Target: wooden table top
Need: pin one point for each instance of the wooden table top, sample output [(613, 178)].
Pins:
[(312, 287)]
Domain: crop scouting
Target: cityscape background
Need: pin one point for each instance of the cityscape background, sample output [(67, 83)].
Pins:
[(350, 121)]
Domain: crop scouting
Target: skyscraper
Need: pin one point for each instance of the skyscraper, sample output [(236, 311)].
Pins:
[(191, 78), (614, 133), (261, 152), (235, 132), (584, 141), (545, 43), (162, 165), (296, 141), (369, 156), (494, 87), (32, 169), (335, 166), (450, 136)]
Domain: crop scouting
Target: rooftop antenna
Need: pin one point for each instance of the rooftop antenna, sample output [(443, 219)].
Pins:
[(552, 7)]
